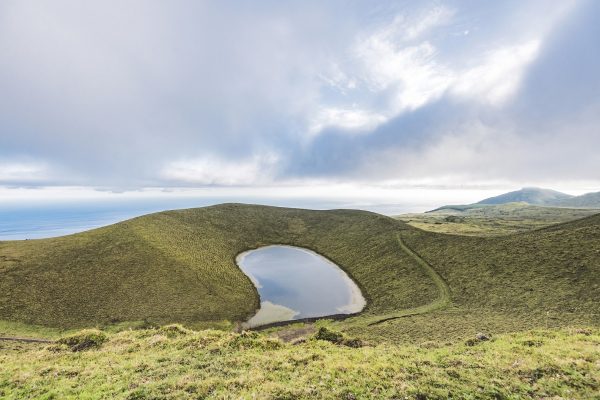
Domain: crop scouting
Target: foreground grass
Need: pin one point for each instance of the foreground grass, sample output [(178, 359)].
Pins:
[(174, 363)]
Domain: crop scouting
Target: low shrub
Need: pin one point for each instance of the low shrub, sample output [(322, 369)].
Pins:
[(84, 340), (479, 338), (336, 338), (253, 340), (174, 330), (328, 335)]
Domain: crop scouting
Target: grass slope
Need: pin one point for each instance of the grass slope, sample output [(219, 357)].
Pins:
[(554, 270), (173, 363), (493, 220), (178, 266), (544, 278)]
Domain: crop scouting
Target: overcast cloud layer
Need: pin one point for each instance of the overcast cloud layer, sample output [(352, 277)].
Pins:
[(186, 93)]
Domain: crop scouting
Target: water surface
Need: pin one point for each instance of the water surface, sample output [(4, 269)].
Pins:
[(295, 283), (37, 218)]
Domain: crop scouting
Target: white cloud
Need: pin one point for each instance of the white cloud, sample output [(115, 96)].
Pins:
[(412, 72), (143, 83), (215, 171), (337, 79), (481, 151), (383, 61), (23, 172), (351, 119), (410, 27), (498, 75), (399, 65)]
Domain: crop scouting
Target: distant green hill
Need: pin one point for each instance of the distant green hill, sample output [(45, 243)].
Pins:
[(588, 200), (178, 267), (535, 196), (493, 220)]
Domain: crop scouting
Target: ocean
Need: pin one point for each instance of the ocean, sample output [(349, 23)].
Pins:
[(43, 220), (35, 213)]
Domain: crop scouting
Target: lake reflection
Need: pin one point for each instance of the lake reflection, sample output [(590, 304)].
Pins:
[(296, 283)]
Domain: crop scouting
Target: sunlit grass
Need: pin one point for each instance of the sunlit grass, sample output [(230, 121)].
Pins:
[(176, 363)]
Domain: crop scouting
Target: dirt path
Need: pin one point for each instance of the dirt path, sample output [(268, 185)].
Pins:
[(443, 299), (28, 340)]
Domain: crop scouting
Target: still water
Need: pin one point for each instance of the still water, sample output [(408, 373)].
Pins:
[(295, 283)]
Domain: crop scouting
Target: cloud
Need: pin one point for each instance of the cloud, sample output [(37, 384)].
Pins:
[(351, 120), (398, 63), (386, 62), (499, 75), (151, 93), (522, 109), (213, 171), (23, 172), (421, 24), (115, 90), (411, 72)]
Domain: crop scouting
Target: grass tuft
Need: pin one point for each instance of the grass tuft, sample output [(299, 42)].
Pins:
[(328, 335), (84, 340), (174, 330)]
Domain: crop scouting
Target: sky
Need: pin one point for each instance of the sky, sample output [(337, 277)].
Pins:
[(305, 98)]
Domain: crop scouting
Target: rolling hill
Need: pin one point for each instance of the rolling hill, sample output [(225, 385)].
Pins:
[(493, 220), (448, 316), (588, 200), (535, 196), (178, 267)]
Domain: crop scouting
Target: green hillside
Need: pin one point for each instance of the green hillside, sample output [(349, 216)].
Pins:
[(588, 200), (178, 267), (533, 196), (493, 220), (448, 316), (555, 270)]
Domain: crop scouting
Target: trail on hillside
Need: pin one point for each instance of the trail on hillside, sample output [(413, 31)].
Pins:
[(443, 299), (28, 340)]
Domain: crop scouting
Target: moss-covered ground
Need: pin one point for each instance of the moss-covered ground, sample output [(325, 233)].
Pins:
[(175, 363)]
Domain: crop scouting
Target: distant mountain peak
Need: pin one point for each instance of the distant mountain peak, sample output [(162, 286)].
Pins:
[(534, 196), (530, 195)]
